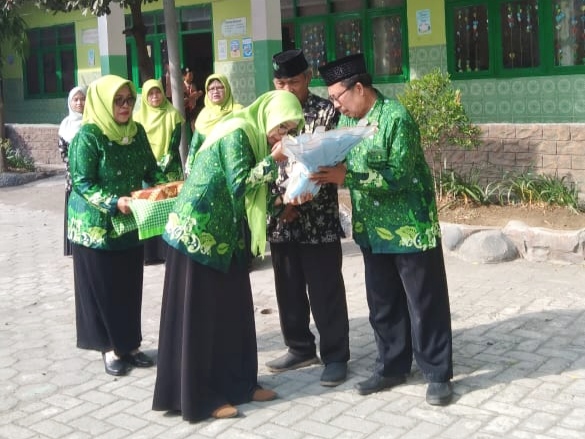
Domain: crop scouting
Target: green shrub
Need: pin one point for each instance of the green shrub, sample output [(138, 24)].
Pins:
[(526, 188), (436, 107), (16, 159)]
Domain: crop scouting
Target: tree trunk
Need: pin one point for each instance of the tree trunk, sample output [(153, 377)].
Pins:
[(138, 31), (3, 164), (175, 69)]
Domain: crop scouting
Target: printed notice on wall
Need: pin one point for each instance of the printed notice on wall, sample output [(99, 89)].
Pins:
[(233, 27), (423, 21), (235, 49), (89, 36), (222, 50), (247, 47)]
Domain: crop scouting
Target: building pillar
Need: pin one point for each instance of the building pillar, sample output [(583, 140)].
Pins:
[(112, 42), (267, 36)]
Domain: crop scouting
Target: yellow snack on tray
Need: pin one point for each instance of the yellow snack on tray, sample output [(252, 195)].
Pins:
[(160, 192)]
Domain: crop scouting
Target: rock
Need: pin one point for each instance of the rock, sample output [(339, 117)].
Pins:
[(540, 244), (488, 247)]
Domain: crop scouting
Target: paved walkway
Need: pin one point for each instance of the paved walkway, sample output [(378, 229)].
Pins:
[(519, 353)]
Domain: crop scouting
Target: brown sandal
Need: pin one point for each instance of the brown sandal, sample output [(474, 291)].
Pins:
[(225, 411), (263, 395)]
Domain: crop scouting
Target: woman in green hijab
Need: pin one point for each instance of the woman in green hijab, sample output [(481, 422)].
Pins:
[(207, 355), (109, 157), (162, 123), (219, 102)]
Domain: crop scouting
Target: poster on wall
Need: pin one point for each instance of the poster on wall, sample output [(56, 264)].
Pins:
[(235, 49), (233, 27), (247, 47), (222, 50), (423, 21)]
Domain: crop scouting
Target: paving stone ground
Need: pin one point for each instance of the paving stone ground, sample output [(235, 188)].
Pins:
[(519, 353)]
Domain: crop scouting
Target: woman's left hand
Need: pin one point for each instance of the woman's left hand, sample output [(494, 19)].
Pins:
[(330, 174), (124, 205), (277, 152), (303, 198)]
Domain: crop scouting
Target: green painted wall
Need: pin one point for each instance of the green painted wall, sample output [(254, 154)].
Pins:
[(515, 100)]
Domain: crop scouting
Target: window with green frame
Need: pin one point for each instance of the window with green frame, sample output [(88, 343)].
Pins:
[(330, 29), (524, 37), (191, 19), (49, 70)]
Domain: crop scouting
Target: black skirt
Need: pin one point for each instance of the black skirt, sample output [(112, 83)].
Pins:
[(155, 251), (108, 298), (207, 354), (66, 242)]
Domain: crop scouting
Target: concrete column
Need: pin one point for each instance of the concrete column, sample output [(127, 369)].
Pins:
[(267, 36), (112, 42)]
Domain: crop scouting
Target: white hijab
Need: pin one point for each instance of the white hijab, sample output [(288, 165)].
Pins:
[(71, 124)]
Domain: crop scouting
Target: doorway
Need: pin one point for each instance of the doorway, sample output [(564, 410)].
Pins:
[(198, 56)]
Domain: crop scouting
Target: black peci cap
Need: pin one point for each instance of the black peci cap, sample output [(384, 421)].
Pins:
[(289, 63), (343, 68)]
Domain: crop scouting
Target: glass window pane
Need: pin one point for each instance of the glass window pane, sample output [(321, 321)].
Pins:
[(312, 7), (197, 18), (34, 39), (48, 37), (32, 79), (159, 18), (286, 9), (313, 45), (149, 22), (66, 35), (471, 39), (387, 32), (348, 37), (386, 3), (288, 36), (569, 33), (346, 5), (67, 70), (520, 34), (50, 73)]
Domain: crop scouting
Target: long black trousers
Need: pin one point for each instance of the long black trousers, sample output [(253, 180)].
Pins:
[(409, 312)]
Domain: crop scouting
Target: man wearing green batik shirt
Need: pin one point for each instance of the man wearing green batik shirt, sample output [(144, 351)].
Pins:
[(395, 223)]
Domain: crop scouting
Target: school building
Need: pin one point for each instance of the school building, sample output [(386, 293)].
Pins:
[(520, 64)]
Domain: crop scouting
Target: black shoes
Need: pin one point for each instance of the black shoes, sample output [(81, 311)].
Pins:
[(439, 393), (334, 374), (115, 366), (377, 382), (139, 359), (290, 361)]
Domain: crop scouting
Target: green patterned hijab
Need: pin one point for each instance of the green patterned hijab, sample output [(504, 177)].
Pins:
[(159, 122), (213, 113), (99, 108), (265, 113)]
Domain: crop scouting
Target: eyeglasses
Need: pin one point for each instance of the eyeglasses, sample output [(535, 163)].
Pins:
[(334, 98), (283, 131), (219, 88), (121, 101)]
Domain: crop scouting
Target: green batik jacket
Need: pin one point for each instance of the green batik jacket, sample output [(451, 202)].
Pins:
[(170, 163), (206, 223), (393, 200), (101, 172)]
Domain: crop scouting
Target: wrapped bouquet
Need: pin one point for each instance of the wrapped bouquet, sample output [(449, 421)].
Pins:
[(321, 148)]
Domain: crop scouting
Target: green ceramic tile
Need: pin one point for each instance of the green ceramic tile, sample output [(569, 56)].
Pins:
[(533, 86), (563, 85), (504, 108), (533, 106)]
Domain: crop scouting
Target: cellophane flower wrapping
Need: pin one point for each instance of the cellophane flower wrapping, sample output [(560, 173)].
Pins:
[(309, 151)]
